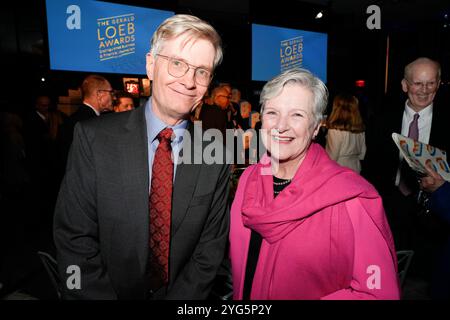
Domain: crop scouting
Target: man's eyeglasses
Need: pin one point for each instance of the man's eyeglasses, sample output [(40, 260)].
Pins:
[(419, 85), (178, 68), (111, 92), (223, 96)]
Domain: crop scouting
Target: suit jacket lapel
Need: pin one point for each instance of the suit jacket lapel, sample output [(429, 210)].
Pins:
[(439, 123), (186, 179), (135, 174), (399, 120)]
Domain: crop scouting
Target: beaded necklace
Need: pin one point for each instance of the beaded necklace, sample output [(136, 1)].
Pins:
[(282, 183)]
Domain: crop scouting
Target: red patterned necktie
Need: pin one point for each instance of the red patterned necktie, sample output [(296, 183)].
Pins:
[(160, 209)]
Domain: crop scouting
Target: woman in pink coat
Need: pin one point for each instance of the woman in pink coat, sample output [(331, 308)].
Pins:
[(302, 226)]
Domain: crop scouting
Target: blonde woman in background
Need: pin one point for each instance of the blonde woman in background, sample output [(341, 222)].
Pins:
[(346, 142)]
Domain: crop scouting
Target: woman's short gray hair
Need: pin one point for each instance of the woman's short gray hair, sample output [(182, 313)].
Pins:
[(301, 77), (184, 24)]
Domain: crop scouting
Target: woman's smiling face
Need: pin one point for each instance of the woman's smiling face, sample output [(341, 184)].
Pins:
[(289, 124)]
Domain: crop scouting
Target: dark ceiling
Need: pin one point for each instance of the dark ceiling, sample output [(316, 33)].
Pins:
[(414, 27)]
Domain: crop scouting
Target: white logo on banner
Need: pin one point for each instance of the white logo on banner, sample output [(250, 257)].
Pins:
[(291, 53)]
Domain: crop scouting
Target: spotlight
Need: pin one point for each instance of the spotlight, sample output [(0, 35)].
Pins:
[(43, 79), (319, 15)]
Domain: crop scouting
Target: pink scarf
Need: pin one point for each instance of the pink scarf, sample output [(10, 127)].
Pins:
[(312, 189)]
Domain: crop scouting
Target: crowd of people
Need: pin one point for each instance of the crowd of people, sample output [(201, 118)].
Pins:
[(309, 219)]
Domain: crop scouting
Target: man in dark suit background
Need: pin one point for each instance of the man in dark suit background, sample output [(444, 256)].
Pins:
[(39, 156), (102, 218), (37, 138), (396, 182), (215, 116), (98, 96)]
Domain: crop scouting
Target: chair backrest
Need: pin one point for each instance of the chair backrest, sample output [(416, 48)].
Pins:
[(404, 258), (51, 267)]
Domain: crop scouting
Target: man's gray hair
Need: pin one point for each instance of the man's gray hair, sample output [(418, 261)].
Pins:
[(183, 24), (303, 78), (421, 60)]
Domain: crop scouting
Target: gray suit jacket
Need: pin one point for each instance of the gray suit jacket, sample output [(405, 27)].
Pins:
[(102, 215)]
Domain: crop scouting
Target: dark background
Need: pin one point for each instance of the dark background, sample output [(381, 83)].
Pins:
[(414, 28)]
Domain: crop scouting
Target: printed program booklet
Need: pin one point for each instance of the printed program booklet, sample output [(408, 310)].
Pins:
[(418, 155)]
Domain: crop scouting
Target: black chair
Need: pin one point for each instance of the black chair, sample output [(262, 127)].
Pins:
[(51, 267)]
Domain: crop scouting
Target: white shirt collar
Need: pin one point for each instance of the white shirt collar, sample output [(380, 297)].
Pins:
[(424, 113), (41, 116), (424, 122), (95, 110)]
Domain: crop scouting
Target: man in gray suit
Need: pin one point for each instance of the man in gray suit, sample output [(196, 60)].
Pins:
[(102, 219)]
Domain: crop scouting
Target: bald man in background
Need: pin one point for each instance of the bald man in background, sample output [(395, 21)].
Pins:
[(98, 97), (412, 228)]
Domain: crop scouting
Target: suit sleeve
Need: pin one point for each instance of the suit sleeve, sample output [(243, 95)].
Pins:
[(374, 271), (197, 278), (440, 201), (76, 228), (333, 145)]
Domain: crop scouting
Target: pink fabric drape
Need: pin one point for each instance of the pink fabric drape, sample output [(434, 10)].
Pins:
[(324, 237)]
